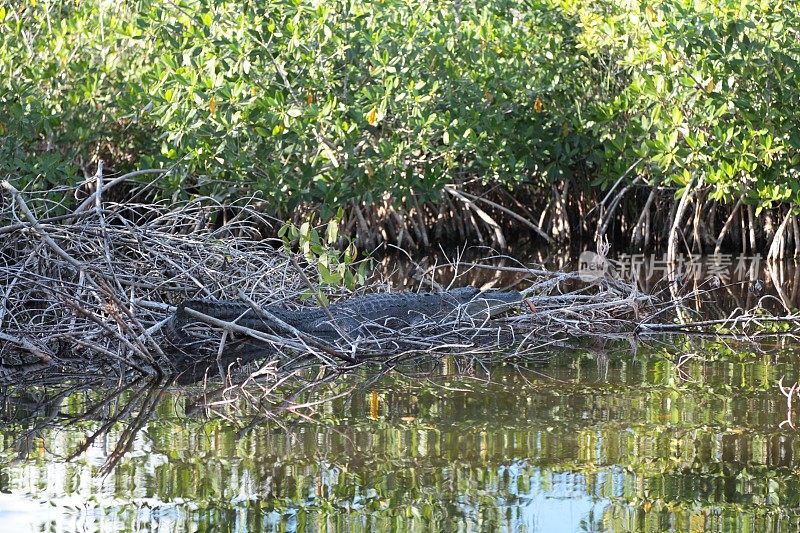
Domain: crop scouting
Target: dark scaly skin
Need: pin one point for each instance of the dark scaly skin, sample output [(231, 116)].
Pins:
[(358, 315)]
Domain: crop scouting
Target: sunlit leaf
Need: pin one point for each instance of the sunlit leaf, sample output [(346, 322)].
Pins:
[(332, 231), (372, 117)]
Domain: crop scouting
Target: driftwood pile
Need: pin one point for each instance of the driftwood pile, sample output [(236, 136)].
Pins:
[(88, 292)]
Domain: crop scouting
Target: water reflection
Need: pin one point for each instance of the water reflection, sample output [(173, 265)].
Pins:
[(680, 435)]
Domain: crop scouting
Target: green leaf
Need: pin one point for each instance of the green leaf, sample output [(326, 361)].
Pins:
[(332, 232), (328, 277)]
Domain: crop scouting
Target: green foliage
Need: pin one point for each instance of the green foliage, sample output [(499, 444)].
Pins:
[(335, 268), (706, 89), (326, 103)]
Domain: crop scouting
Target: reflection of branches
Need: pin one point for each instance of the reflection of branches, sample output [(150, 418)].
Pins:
[(789, 394), (144, 401), (147, 407), (299, 395), (44, 413)]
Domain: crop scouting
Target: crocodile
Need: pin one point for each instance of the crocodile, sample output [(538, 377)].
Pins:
[(361, 316)]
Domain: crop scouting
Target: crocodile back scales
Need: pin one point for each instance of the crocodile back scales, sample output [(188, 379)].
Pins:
[(356, 316)]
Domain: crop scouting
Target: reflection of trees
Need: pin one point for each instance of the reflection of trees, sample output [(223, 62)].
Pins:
[(659, 445)]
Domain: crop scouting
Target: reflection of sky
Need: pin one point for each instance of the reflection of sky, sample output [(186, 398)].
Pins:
[(556, 501), (563, 509), (21, 514), (530, 499)]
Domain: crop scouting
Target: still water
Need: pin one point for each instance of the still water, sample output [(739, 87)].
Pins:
[(659, 434), (674, 435)]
